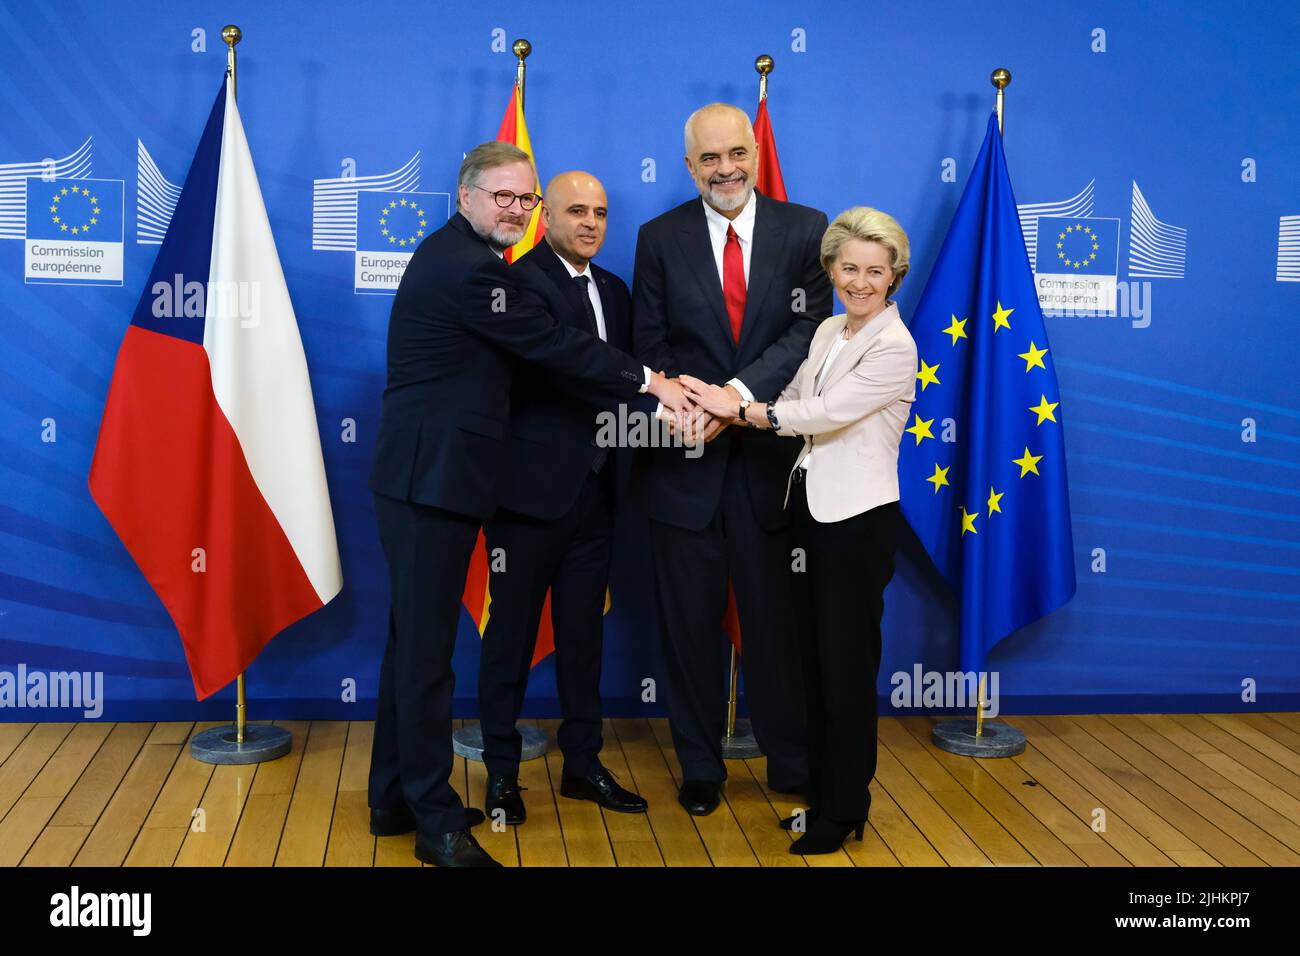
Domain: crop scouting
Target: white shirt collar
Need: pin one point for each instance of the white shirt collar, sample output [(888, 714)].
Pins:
[(573, 273), (743, 224)]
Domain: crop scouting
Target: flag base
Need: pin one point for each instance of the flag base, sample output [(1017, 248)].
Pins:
[(468, 742), (998, 739), (741, 745), (262, 742)]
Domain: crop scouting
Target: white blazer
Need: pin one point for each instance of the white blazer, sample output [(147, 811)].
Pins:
[(856, 419)]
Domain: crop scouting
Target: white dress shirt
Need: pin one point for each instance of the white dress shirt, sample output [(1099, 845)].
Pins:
[(744, 226)]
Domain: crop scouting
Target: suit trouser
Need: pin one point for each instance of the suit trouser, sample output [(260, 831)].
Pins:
[(691, 573), (571, 556), (428, 551), (840, 601)]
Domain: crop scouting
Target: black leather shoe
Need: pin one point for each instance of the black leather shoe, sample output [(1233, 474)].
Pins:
[(699, 797), (458, 848), (599, 786), (401, 820), (504, 793)]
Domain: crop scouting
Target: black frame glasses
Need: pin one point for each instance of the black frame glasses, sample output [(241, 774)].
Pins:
[(504, 198)]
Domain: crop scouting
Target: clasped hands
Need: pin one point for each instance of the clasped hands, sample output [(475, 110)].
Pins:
[(694, 409)]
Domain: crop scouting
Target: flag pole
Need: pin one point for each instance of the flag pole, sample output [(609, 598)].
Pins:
[(965, 736), (1001, 79), (522, 48), (239, 744), (467, 741), (231, 34), (738, 742)]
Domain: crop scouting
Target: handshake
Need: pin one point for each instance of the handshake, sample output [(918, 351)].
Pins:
[(693, 409)]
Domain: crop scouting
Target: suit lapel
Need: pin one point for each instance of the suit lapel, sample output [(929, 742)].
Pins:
[(698, 250), (856, 346), (821, 346), (768, 238), (549, 261)]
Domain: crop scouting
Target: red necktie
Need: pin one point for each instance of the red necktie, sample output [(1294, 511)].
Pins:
[(733, 281)]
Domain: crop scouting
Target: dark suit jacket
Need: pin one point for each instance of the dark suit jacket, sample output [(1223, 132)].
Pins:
[(679, 324), (553, 426), (459, 323)]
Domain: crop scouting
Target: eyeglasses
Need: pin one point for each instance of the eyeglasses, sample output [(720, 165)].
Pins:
[(505, 198)]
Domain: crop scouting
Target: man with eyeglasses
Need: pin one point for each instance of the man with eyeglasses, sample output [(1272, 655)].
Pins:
[(460, 323), (728, 287)]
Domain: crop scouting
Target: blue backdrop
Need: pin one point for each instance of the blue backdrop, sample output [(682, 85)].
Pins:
[(1182, 427)]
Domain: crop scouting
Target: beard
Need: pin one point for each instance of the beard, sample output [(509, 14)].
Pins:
[(728, 203), (506, 234)]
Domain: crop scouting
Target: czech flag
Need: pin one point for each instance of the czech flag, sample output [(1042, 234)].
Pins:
[(208, 464)]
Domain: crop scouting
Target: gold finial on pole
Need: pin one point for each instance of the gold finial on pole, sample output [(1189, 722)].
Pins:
[(764, 65), (1001, 78), (521, 48), (232, 35)]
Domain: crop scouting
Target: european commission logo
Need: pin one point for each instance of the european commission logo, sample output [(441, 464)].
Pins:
[(74, 232), (389, 227), (380, 219), (1075, 255), (1078, 265)]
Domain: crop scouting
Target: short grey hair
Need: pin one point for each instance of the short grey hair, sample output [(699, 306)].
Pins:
[(487, 156), (868, 225)]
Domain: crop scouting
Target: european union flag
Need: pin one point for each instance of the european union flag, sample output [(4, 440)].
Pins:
[(982, 464), (396, 221), (75, 210)]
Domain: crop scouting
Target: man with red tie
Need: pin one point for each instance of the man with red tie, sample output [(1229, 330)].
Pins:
[(729, 288)]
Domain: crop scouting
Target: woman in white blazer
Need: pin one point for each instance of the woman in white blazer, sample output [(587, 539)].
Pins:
[(849, 401)]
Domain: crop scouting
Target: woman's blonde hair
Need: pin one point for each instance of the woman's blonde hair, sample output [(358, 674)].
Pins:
[(868, 225)]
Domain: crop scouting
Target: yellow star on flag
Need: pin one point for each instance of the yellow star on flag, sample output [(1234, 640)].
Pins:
[(957, 329), (1034, 357), (921, 429), (1028, 462), (994, 498), (927, 376), (1000, 318), (939, 478), (968, 521), (1044, 410)]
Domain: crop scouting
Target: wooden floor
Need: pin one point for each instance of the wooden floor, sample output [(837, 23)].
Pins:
[(1183, 790)]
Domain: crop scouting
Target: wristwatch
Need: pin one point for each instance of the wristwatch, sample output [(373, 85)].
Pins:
[(744, 406)]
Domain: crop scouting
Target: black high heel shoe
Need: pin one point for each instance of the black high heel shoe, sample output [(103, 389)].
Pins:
[(827, 836)]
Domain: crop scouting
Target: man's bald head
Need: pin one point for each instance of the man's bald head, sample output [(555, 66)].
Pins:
[(574, 211), (718, 117)]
